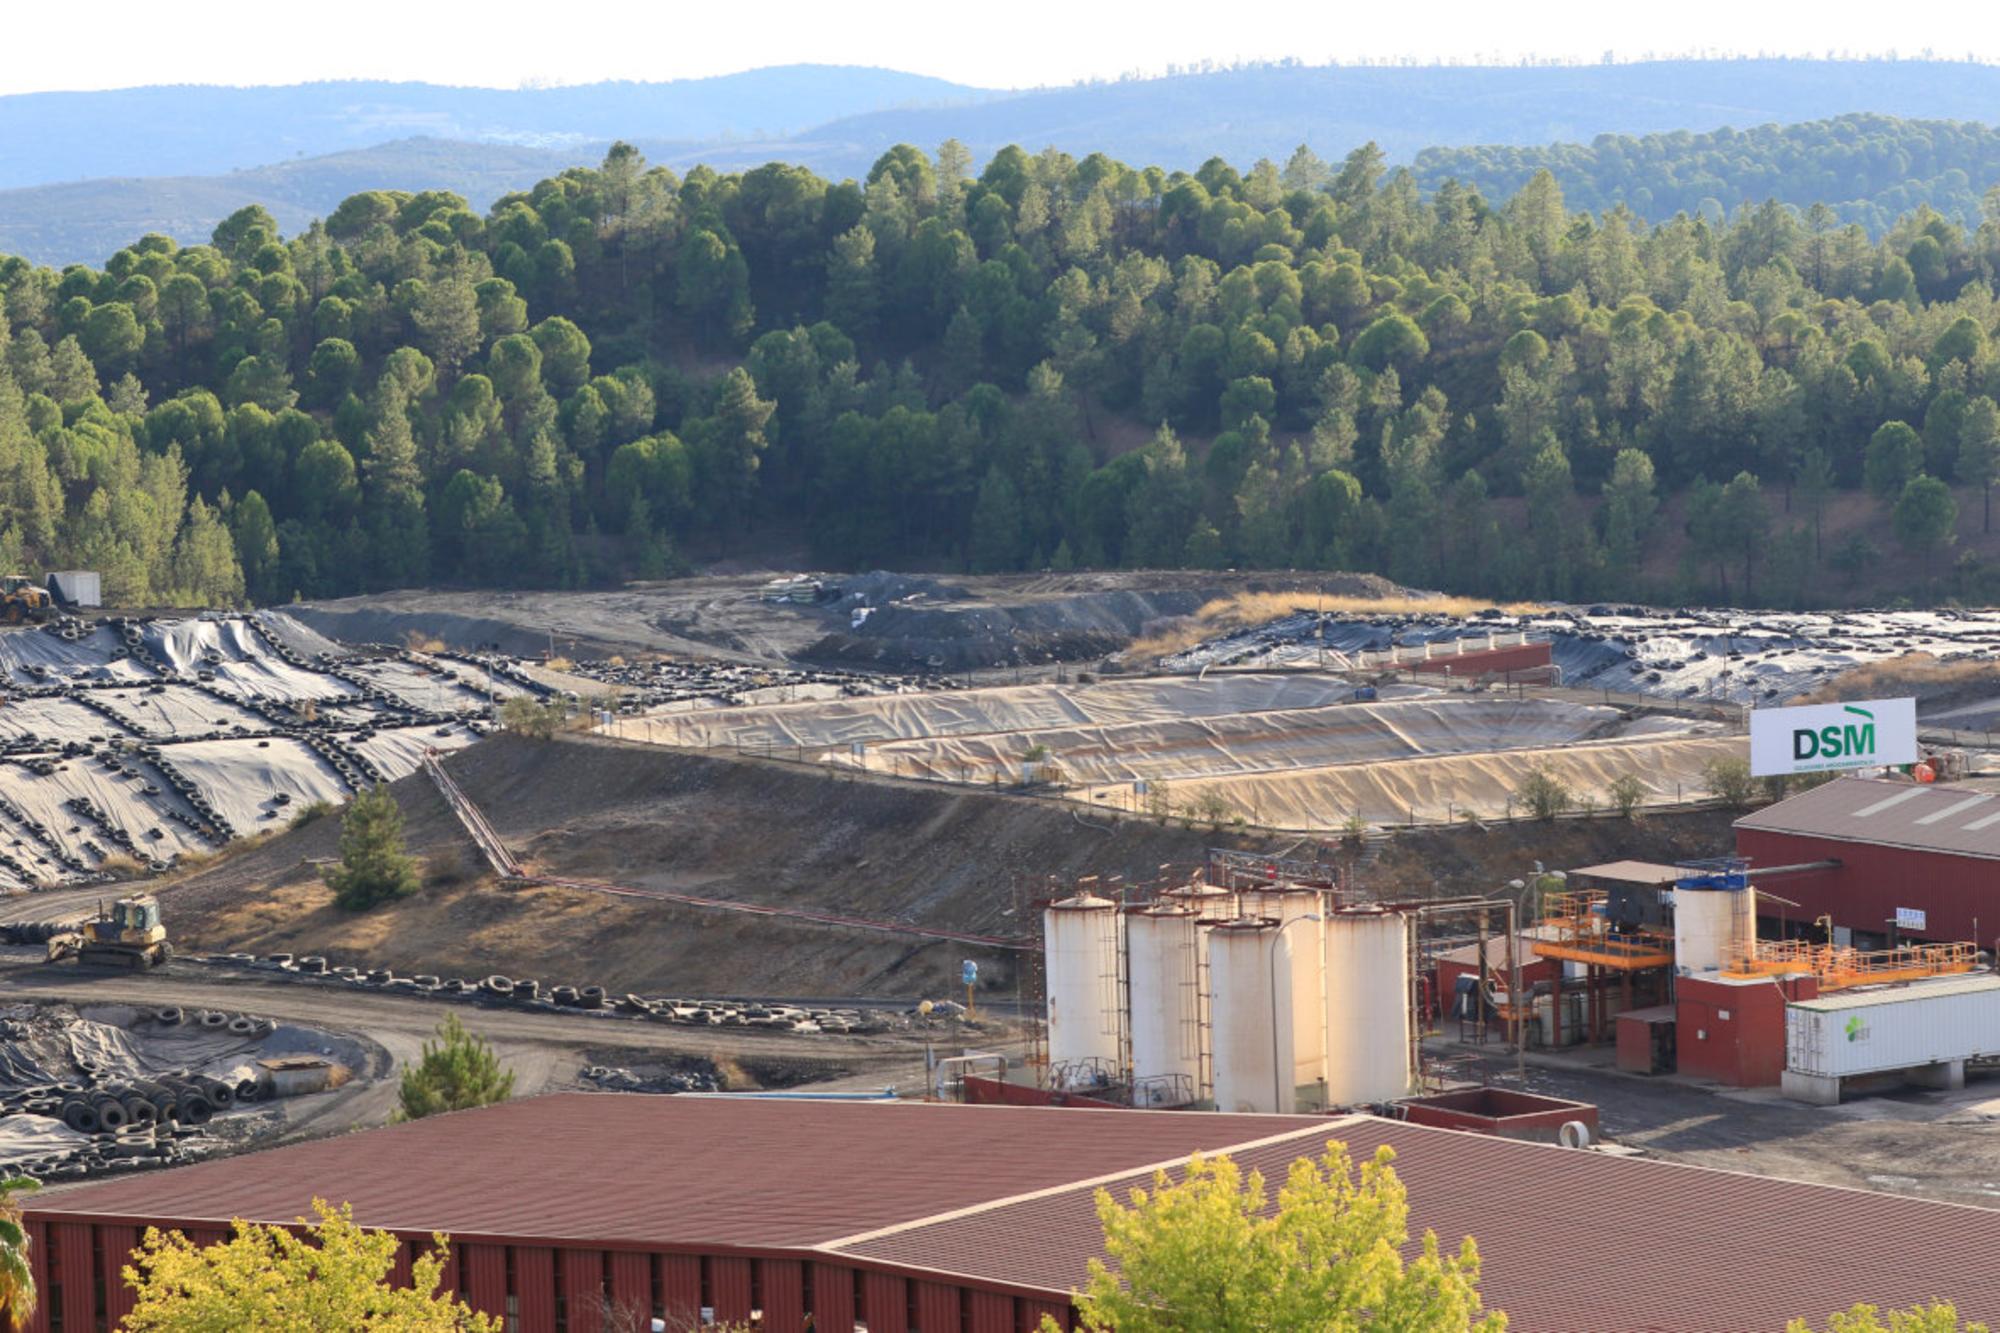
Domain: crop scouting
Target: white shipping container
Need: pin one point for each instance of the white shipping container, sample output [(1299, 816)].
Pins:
[(1873, 1031), (77, 587)]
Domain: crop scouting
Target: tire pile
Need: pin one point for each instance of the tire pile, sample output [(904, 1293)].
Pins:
[(132, 1123)]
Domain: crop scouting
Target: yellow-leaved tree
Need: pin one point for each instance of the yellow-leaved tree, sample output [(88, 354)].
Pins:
[(1936, 1317), (17, 1276), (332, 1279), (1210, 1252)]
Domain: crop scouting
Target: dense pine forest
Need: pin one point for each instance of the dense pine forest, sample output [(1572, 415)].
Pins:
[(1866, 169), (1051, 362)]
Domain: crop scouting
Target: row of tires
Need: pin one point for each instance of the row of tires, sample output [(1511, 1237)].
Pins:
[(498, 989), (214, 1020), (189, 1102)]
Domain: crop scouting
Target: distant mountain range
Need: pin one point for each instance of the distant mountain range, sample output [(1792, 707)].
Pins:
[(184, 130), (93, 171)]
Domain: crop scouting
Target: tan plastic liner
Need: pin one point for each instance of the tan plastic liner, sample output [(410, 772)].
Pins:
[(1436, 790), (1010, 709), (1252, 742)]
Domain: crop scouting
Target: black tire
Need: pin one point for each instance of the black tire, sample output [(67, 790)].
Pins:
[(79, 1116), (243, 1025), (139, 1110), (248, 1090), (211, 1019), (110, 1114), (167, 1015), (196, 1109)]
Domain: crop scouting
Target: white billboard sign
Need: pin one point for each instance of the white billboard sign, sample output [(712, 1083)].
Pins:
[(1870, 733)]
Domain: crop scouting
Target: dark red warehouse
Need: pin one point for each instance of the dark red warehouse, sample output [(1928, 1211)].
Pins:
[(1927, 855), (914, 1218)]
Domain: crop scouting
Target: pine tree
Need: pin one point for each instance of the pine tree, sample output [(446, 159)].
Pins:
[(373, 867), (458, 1071)]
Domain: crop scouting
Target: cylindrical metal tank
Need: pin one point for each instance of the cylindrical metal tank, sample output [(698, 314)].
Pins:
[(1711, 927), (1080, 937), (1280, 902), (1164, 946), (1210, 902), (1248, 1031), (1367, 1007)]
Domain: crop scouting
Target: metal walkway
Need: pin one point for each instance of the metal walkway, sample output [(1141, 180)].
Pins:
[(505, 866)]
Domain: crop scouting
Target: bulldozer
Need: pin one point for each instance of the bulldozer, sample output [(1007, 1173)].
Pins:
[(129, 935), (23, 600)]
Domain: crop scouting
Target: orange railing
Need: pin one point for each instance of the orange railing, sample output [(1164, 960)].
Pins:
[(1578, 933), (1837, 967)]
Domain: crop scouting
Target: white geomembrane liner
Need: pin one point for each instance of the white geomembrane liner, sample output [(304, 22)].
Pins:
[(207, 730), (1009, 709), (1257, 742)]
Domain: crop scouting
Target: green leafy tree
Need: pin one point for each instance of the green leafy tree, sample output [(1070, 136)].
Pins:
[(457, 1072), (323, 1276), (1895, 455), (1979, 452), (1925, 517), (1544, 793), (373, 868), (1212, 1252)]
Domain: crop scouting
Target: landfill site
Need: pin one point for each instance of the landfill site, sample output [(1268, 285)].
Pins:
[(1075, 841)]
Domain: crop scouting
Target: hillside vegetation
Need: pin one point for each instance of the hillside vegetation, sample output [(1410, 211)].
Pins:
[(1859, 168), (1051, 362)]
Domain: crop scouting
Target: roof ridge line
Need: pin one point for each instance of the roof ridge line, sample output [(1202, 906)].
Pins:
[(970, 1210)]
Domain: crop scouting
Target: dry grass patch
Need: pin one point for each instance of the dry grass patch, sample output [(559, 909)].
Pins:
[(1911, 671), (1244, 609)]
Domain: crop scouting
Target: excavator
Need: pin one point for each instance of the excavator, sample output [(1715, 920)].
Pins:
[(22, 600), (129, 935)]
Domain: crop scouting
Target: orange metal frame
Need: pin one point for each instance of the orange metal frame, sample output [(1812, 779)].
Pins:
[(1837, 968), (1581, 936)]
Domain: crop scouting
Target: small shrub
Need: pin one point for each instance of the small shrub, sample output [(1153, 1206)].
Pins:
[(1729, 778), (524, 715), (1544, 793), (309, 813), (1626, 792), (1210, 807)]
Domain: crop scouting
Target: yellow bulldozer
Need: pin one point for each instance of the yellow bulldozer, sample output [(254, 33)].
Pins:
[(128, 935), (23, 600)]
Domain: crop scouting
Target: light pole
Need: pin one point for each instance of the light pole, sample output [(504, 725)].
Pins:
[(1277, 1071)]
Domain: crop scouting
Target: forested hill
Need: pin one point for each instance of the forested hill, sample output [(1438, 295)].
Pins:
[(1866, 168), (1052, 361)]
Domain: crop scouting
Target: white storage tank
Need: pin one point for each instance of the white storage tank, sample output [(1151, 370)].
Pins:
[(1249, 1033), (1080, 937), (1164, 948), (1712, 927), (1210, 902), (1367, 1007), (1279, 902)]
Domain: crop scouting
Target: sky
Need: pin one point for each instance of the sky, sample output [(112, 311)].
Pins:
[(1025, 43)]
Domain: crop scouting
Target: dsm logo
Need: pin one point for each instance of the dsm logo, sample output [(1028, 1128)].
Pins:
[(1836, 741)]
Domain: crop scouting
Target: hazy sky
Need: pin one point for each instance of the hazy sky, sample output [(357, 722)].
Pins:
[(504, 43)]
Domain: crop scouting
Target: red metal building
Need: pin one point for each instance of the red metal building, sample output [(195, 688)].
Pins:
[(1734, 1031), (1930, 853), (915, 1218)]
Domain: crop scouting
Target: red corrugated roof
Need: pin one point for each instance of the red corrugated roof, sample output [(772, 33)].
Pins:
[(1960, 819), (1572, 1241), (669, 1170)]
